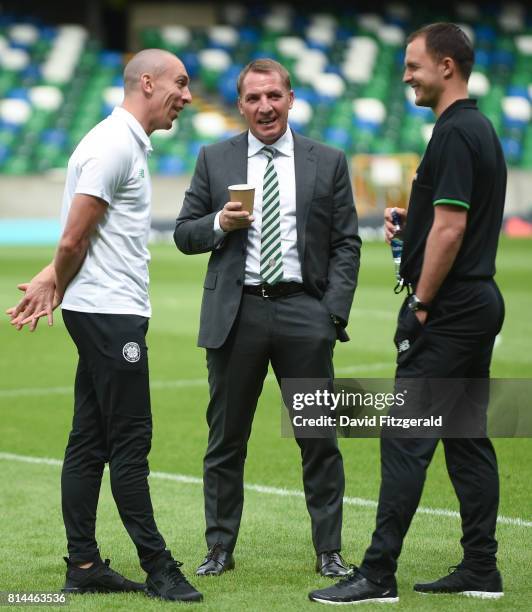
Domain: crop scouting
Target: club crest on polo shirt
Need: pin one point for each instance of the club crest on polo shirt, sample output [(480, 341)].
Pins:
[(131, 352)]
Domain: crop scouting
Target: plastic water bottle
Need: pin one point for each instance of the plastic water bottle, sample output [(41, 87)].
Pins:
[(397, 244)]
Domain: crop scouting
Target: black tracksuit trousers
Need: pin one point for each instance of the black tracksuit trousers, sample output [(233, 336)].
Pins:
[(112, 424), (456, 342)]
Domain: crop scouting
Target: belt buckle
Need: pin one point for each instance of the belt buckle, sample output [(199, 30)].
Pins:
[(263, 291)]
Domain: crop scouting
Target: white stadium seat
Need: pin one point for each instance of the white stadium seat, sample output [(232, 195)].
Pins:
[(177, 35), (15, 111), (369, 109), (210, 125), (301, 113), (46, 97)]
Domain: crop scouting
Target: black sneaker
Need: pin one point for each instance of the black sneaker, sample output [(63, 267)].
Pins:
[(464, 581), (98, 578), (355, 589), (166, 581)]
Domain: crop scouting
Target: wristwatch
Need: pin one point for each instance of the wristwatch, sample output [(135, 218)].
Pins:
[(415, 304)]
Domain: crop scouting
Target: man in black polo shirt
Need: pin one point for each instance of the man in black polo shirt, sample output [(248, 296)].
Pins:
[(447, 327)]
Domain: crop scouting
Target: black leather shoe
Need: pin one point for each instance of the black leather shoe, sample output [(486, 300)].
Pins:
[(216, 562), (332, 565), (355, 589)]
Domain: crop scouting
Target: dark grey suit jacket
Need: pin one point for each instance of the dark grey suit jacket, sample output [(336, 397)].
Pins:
[(326, 221)]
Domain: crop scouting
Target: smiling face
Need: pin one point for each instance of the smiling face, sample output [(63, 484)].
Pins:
[(170, 94), (264, 102), (424, 73)]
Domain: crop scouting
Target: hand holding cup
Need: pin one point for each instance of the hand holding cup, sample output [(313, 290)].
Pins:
[(238, 212)]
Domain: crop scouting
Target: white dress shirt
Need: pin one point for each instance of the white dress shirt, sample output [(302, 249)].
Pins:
[(284, 166)]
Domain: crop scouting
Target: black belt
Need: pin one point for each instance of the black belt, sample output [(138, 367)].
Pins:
[(274, 291)]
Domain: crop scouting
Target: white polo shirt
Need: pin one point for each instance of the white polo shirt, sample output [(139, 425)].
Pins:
[(110, 163)]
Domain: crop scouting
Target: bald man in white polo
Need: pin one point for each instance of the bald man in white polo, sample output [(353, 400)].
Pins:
[(100, 277)]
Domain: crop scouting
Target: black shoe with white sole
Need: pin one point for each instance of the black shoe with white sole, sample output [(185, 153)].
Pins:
[(355, 589), (98, 578), (464, 581)]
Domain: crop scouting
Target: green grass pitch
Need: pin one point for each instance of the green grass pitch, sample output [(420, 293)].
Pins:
[(274, 555)]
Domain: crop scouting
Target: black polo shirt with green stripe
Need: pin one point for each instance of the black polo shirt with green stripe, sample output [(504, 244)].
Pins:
[(463, 166)]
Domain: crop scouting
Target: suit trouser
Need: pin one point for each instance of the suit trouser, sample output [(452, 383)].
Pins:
[(112, 423), (456, 342), (294, 333)]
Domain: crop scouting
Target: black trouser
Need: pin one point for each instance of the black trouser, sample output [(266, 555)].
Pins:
[(112, 423), (456, 342), (297, 335)]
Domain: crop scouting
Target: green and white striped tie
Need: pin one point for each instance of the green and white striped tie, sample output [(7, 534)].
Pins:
[(271, 257)]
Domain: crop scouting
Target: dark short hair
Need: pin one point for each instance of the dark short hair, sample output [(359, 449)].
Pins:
[(263, 65), (448, 40)]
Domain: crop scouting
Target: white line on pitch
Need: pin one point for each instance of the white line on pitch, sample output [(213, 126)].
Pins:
[(280, 492), (173, 384)]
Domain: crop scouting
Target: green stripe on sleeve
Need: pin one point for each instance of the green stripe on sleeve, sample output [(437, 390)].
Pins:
[(455, 202)]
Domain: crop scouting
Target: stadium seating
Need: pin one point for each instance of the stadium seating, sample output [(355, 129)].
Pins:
[(56, 82)]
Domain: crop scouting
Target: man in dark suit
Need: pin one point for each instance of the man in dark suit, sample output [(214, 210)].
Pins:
[(278, 288)]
